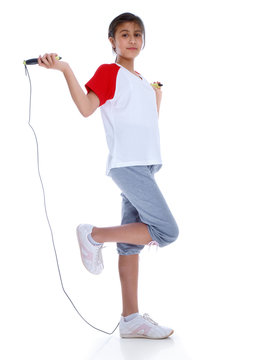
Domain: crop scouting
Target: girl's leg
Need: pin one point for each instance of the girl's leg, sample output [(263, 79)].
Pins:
[(128, 272), (134, 233), (140, 190)]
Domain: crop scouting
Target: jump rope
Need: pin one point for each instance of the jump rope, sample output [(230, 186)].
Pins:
[(33, 62)]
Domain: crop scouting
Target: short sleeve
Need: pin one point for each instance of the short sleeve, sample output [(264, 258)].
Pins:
[(103, 83)]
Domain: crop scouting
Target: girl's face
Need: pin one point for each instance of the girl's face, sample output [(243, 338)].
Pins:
[(128, 40)]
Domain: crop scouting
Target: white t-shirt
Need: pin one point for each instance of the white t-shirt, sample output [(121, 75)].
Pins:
[(129, 113)]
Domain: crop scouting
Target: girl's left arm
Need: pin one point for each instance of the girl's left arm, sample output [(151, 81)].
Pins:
[(158, 96)]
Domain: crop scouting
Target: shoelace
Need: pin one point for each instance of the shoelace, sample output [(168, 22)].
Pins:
[(153, 243), (147, 317)]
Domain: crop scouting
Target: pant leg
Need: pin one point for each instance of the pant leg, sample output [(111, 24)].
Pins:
[(129, 215), (140, 188)]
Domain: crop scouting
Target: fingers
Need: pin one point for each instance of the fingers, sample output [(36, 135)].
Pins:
[(156, 85), (47, 60), (40, 61)]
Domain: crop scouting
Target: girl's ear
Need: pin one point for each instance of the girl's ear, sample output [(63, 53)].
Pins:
[(112, 42)]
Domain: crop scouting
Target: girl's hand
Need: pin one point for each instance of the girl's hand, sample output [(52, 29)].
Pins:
[(156, 85), (49, 61), (158, 91)]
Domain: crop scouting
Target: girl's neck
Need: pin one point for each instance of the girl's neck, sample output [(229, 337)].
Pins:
[(127, 63)]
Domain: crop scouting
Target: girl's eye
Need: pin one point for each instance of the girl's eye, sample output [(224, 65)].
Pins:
[(137, 35)]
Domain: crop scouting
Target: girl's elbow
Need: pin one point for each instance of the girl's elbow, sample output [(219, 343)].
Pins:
[(86, 113), (91, 105)]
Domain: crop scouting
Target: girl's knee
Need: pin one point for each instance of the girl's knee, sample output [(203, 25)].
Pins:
[(166, 236), (174, 232)]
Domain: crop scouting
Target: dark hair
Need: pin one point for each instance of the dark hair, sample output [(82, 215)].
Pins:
[(122, 18)]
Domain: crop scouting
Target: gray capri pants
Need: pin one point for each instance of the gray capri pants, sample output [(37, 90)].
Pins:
[(142, 201)]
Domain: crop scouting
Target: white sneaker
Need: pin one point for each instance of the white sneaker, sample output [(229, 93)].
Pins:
[(142, 326), (91, 254)]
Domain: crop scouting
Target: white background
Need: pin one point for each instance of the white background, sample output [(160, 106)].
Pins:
[(212, 285)]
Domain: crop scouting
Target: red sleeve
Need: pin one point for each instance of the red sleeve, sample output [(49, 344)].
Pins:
[(103, 83)]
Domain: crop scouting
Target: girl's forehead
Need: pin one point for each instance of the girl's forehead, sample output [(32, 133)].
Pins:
[(129, 26)]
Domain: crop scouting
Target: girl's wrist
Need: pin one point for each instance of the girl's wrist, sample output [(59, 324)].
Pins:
[(66, 68)]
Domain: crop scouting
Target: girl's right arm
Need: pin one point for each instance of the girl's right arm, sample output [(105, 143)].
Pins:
[(86, 104)]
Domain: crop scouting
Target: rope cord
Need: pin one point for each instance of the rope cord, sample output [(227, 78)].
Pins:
[(47, 217)]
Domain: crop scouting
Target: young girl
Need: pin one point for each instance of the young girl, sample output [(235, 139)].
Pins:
[(129, 107)]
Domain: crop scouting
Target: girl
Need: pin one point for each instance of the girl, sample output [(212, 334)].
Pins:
[(129, 107)]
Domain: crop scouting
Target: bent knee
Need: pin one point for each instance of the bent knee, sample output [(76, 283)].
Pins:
[(174, 232), (164, 235), (171, 234)]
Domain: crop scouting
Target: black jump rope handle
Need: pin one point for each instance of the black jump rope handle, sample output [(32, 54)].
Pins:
[(35, 61)]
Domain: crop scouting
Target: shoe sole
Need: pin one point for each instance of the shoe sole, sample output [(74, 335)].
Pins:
[(145, 336)]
